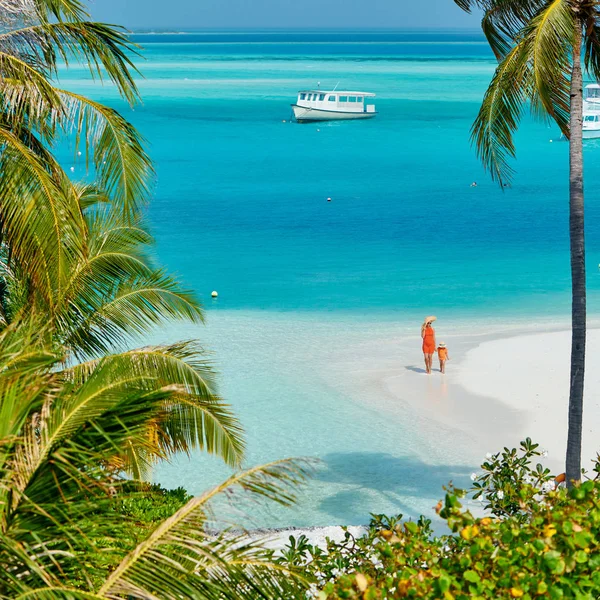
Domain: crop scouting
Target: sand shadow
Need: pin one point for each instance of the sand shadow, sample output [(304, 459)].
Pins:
[(396, 481), (415, 369)]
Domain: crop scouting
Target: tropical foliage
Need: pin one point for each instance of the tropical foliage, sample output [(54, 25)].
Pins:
[(77, 256), (536, 541), (540, 46), (78, 407), (67, 516)]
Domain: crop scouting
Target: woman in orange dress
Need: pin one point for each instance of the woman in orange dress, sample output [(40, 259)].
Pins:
[(429, 345)]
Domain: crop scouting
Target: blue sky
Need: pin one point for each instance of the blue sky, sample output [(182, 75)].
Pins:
[(282, 13)]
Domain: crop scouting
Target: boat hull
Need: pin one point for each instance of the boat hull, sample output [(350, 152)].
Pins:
[(590, 134), (304, 114)]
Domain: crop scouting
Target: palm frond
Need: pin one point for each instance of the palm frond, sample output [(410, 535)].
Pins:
[(185, 561), (123, 169), (90, 196), (549, 37), (104, 49), (500, 112), (503, 20), (192, 414), (61, 10), (130, 308), (28, 98), (42, 224)]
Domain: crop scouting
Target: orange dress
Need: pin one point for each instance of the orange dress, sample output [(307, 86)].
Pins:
[(443, 353), (429, 341)]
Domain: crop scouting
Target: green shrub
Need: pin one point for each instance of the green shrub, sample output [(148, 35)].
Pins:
[(535, 542)]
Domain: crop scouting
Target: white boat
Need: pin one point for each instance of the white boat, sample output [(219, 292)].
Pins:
[(591, 111), (321, 105)]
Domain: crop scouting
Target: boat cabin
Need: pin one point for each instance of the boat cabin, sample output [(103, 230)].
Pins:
[(336, 101), (592, 92), (591, 98)]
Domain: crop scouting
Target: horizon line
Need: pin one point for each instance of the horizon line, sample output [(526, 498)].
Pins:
[(175, 28)]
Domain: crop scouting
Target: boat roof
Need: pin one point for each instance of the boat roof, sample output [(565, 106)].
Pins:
[(346, 92), (593, 86)]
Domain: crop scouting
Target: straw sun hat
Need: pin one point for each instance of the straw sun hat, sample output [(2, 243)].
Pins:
[(442, 345), (429, 319)]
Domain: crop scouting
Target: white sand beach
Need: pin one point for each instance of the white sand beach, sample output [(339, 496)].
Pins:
[(529, 375), (501, 390)]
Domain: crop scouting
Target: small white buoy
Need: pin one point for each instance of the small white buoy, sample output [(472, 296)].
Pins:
[(72, 169), (551, 141), (214, 295), (318, 130), (79, 153), (328, 199), (283, 121)]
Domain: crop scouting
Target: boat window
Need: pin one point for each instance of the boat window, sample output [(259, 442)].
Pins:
[(343, 98), (589, 118), (322, 97), (352, 99), (302, 96), (331, 98), (359, 99)]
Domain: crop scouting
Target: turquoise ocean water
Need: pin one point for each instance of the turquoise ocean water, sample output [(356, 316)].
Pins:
[(240, 207)]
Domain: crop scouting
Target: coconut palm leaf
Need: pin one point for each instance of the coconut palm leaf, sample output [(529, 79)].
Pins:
[(127, 310), (116, 250), (192, 415), (179, 559), (38, 218), (61, 10), (549, 37), (90, 196), (537, 69), (28, 98), (500, 113), (104, 49), (165, 389), (123, 169)]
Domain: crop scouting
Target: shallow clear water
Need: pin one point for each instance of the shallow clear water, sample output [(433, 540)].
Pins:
[(240, 207)]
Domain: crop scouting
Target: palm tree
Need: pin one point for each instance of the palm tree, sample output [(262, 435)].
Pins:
[(59, 522), (79, 254), (539, 44), (77, 286)]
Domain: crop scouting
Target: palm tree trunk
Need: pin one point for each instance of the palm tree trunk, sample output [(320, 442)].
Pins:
[(576, 232)]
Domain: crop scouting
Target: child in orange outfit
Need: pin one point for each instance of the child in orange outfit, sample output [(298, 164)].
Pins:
[(443, 356)]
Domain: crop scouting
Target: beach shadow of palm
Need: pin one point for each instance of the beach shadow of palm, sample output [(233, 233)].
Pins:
[(368, 476), (415, 369)]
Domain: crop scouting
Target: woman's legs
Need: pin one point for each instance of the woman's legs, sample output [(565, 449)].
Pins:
[(428, 362)]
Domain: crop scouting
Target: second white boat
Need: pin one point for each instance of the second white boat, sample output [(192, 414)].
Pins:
[(591, 111)]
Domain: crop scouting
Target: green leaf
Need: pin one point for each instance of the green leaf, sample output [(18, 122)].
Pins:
[(472, 576)]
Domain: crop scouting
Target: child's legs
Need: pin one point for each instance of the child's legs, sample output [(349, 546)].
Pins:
[(442, 365)]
